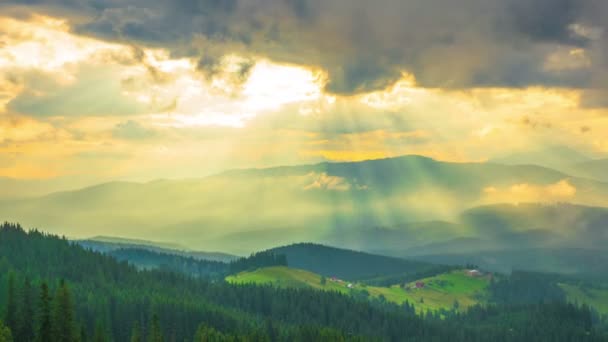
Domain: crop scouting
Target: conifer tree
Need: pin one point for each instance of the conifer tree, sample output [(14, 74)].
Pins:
[(11, 306), (5, 333), (25, 331), (63, 316), (99, 335), (156, 334), (45, 330), (136, 335)]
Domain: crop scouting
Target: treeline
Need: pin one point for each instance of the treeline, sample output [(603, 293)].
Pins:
[(40, 314), (522, 287), (257, 260), (52, 318), (109, 300), (147, 259), (347, 264), (198, 268), (393, 279)]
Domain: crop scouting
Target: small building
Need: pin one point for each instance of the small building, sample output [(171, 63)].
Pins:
[(474, 273), (419, 284), (350, 286)]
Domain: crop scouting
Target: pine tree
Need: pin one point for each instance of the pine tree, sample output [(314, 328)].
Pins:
[(205, 333), (44, 331), (5, 333), (25, 331), (63, 315), (136, 335), (156, 334), (11, 307), (100, 333)]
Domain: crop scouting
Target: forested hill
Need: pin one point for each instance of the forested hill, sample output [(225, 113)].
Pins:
[(53, 290), (348, 264)]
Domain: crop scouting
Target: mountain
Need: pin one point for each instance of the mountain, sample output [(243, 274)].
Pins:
[(242, 211), (593, 169), (557, 157), (347, 264), (496, 227), (552, 225), (585, 263), (111, 240), (106, 244)]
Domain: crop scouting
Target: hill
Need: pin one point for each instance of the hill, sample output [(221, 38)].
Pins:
[(347, 264), (437, 293), (111, 299), (96, 297), (247, 210)]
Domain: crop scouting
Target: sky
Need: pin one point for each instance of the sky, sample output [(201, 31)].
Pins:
[(99, 90)]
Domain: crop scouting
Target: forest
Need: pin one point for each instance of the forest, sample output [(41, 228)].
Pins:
[(54, 290)]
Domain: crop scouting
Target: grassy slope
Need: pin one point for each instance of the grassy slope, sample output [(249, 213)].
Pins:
[(594, 297), (285, 277), (439, 292)]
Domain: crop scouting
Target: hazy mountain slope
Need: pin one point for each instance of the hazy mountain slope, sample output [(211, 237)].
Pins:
[(488, 228), (11, 188), (594, 169), (558, 157), (301, 203), (590, 263), (111, 244), (574, 225)]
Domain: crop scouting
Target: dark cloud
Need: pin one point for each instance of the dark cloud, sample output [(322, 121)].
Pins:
[(546, 20), (365, 45)]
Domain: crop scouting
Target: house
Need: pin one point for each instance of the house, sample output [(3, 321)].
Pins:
[(419, 284), (474, 273)]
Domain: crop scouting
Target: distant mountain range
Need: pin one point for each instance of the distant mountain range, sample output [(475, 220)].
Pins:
[(556, 157), (105, 244), (593, 169), (388, 205), (560, 158)]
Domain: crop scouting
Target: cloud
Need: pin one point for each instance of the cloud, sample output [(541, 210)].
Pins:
[(323, 181), (18, 129), (520, 193), (132, 130), (364, 46), (95, 92)]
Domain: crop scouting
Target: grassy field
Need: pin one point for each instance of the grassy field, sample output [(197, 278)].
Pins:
[(594, 297), (439, 292), (282, 276)]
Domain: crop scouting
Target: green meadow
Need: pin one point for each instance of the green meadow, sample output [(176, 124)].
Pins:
[(439, 292)]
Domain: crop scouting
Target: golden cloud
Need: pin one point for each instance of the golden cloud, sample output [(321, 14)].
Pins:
[(521, 193)]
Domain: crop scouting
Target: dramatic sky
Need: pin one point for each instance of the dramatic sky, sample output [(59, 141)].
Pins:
[(96, 90)]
